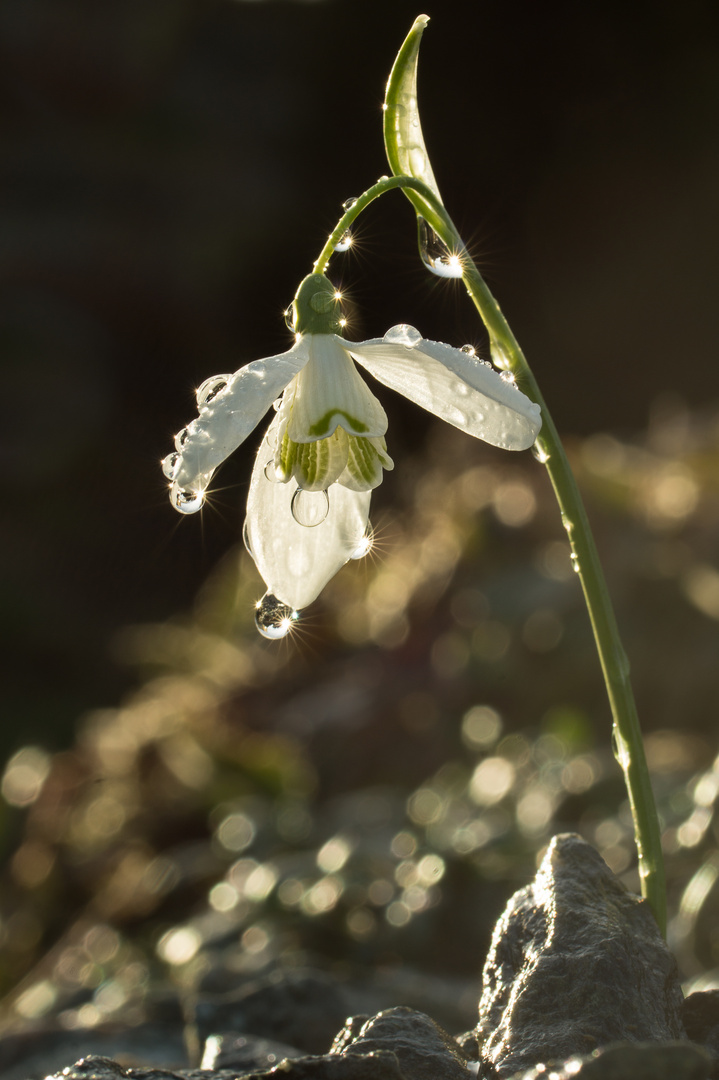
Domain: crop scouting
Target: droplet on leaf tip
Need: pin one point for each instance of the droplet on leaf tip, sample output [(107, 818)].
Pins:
[(273, 619)]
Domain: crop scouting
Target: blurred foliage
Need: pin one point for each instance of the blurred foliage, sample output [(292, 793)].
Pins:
[(371, 791)]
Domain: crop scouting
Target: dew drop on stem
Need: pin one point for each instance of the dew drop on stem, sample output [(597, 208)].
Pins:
[(349, 203), (435, 254), (345, 241), (273, 619)]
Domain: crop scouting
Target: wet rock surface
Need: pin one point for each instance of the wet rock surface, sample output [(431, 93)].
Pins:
[(578, 982), (576, 963)]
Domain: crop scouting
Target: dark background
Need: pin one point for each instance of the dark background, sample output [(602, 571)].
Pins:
[(169, 172)]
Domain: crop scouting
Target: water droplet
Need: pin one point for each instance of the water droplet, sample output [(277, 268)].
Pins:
[(274, 619), (435, 254), (469, 350), (246, 538), (402, 334), (289, 314), (365, 545), (171, 464), (181, 438), (349, 203), (310, 508), (274, 473), (211, 388), (508, 377), (185, 499), (540, 453), (276, 404), (575, 562), (345, 241)]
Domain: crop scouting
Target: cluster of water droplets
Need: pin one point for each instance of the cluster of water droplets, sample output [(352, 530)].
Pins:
[(345, 241), (273, 619), (189, 499), (435, 254)]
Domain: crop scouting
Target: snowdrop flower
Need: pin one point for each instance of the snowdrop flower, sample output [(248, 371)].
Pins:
[(325, 450)]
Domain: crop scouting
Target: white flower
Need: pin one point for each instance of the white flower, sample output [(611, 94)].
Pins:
[(324, 451)]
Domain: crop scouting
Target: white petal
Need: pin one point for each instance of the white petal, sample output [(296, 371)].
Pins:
[(456, 387), (331, 392), (296, 562), (228, 419)]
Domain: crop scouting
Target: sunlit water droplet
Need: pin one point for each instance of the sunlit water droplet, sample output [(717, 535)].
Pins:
[(345, 241), (435, 254), (171, 464), (365, 545), (508, 377), (289, 314), (469, 350), (181, 438), (274, 472), (246, 538), (539, 453), (273, 619), (185, 499), (310, 508), (211, 388), (349, 203), (575, 562), (402, 334)]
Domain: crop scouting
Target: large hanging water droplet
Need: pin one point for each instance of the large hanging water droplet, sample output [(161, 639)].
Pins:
[(181, 438), (540, 453), (171, 464), (185, 499), (310, 508), (349, 203), (211, 388), (435, 254), (402, 334), (345, 241), (273, 619)]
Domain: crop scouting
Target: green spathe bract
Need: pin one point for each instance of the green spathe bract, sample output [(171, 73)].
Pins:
[(317, 307)]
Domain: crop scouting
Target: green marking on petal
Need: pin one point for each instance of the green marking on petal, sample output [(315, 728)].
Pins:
[(321, 426)]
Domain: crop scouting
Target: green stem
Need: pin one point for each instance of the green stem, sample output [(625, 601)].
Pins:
[(627, 738), (385, 184)]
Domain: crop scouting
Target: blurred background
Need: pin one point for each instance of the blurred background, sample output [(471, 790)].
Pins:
[(170, 170)]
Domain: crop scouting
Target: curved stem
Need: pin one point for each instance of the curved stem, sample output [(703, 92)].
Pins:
[(627, 738), (385, 184)]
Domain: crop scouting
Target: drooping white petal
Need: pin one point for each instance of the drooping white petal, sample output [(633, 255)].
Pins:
[(454, 386), (366, 459), (295, 561), (230, 416), (330, 392)]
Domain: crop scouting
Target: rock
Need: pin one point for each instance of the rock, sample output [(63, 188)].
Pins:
[(302, 1008), (638, 1061), (424, 1051), (576, 963), (244, 1053)]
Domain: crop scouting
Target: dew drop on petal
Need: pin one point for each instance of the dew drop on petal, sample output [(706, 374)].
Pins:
[(171, 464), (186, 500), (273, 619), (469, 350), (181, 438), (289, 314), (275, 474), (211, 388), (349, 203), (435, 254), (508, 377), (276, 404), (310, 508), (246, 538), (365, 545), (345, 241), (402, 334)]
